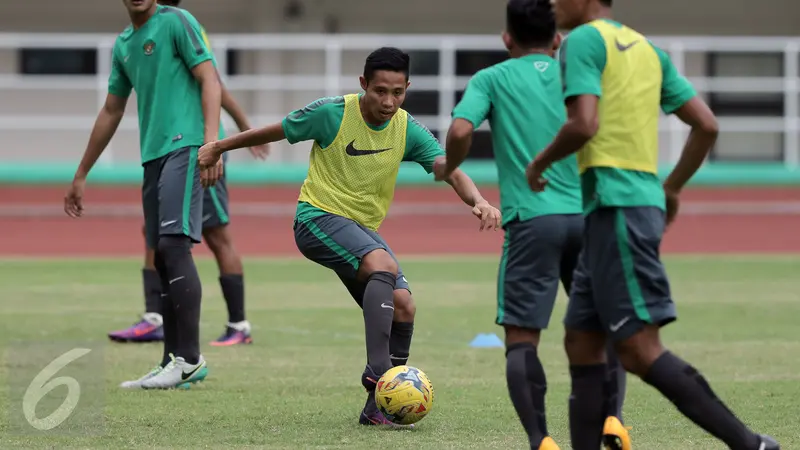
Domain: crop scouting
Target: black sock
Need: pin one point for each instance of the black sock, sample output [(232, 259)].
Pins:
[(400, 342), (527, 386), (185, 293), (616, 382), (378, 314), (586, 406), (686, 388), (152, 291), (233, 290), (167, 310)]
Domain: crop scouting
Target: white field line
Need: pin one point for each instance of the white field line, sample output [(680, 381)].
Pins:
[(268, 209)]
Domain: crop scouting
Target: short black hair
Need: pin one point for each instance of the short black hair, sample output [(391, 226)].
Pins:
[(386, 58), (170, 2), (606, 2), (531, 23)]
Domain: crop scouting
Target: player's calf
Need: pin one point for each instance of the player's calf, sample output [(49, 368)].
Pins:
[(527, 383), (379, 270), (686, 388), (185, 292), (231, 281), (402, 327)]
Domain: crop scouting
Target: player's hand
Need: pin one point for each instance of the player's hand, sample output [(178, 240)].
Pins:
[(535, 179), (208, 156), (489, 215), (673, 204), (73, 201), (210, 176), (440, 172), (260, 151)]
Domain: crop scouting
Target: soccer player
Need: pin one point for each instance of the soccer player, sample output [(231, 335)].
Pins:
[(216, 235), (359, 142), (615, 82), (163, 57), (522, 99)]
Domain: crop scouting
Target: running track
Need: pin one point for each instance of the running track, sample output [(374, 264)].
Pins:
[(421, 221)]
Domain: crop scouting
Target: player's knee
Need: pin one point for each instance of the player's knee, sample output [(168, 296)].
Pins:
[(378, 261), (638, 352), (404, 307), (584, 348), (172, 248), (518, 335)]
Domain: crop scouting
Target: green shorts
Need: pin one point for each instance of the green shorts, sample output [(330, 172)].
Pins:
[(620, 284)]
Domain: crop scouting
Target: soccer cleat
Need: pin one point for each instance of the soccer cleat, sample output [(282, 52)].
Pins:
[(137, 384), (235, 333), (376, 418), (149, 329), (768, 443), (177, 374), (548, 444), (615, 435)]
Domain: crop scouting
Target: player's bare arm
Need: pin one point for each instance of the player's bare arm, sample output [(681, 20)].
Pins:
[(210, 153), (104, 128), (231, 106), (459, 140), (703, 135), (489, 216), (211, 96), (580, 128)]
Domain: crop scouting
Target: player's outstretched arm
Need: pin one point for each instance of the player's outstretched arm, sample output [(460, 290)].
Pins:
[(465, 188), (104, 128), (210, 153)]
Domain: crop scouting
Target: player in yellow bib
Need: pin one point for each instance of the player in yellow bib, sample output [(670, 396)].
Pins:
[(359, 142), (615, 84)]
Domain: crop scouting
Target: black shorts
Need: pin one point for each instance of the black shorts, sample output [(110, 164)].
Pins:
[(215, 205), (620, 284), (339, 244), (172, 196), (537, 255)]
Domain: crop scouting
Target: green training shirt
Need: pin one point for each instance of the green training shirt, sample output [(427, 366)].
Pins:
[(522, 99), (156, 61)]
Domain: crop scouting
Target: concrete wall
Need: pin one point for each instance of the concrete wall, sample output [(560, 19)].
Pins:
[(676, 17)]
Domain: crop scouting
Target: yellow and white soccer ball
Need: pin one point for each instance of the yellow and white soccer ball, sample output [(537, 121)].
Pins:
[(404, 395)]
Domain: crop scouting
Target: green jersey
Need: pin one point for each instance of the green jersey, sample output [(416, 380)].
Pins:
[(634, 80), (522, 99), (156, 61), (335, 168)]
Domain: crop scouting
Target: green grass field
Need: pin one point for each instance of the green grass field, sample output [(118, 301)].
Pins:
[(298, 385)]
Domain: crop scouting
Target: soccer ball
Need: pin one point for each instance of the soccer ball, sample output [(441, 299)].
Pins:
[(404, 395)]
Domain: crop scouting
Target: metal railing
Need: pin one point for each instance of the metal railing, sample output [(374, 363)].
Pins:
[(447, 82)]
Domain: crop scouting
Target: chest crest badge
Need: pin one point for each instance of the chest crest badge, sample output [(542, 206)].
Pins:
[(149, 47)]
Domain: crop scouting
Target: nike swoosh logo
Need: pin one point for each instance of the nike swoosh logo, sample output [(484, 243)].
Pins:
[(164, 224), (618, 325), (352, 151), (186, 376), (385, 306), (623, 47)]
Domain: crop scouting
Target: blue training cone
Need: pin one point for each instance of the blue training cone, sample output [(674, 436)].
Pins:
[(487, 340)]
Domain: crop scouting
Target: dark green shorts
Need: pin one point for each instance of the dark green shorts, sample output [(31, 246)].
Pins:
[(537, 255), (215, 205), (172, 196), (620, 284), (339, 244)]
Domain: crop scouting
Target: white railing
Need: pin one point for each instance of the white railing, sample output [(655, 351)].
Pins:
[(333, 78)]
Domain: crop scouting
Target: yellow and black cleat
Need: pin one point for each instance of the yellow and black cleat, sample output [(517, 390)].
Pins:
[(615, 435)]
